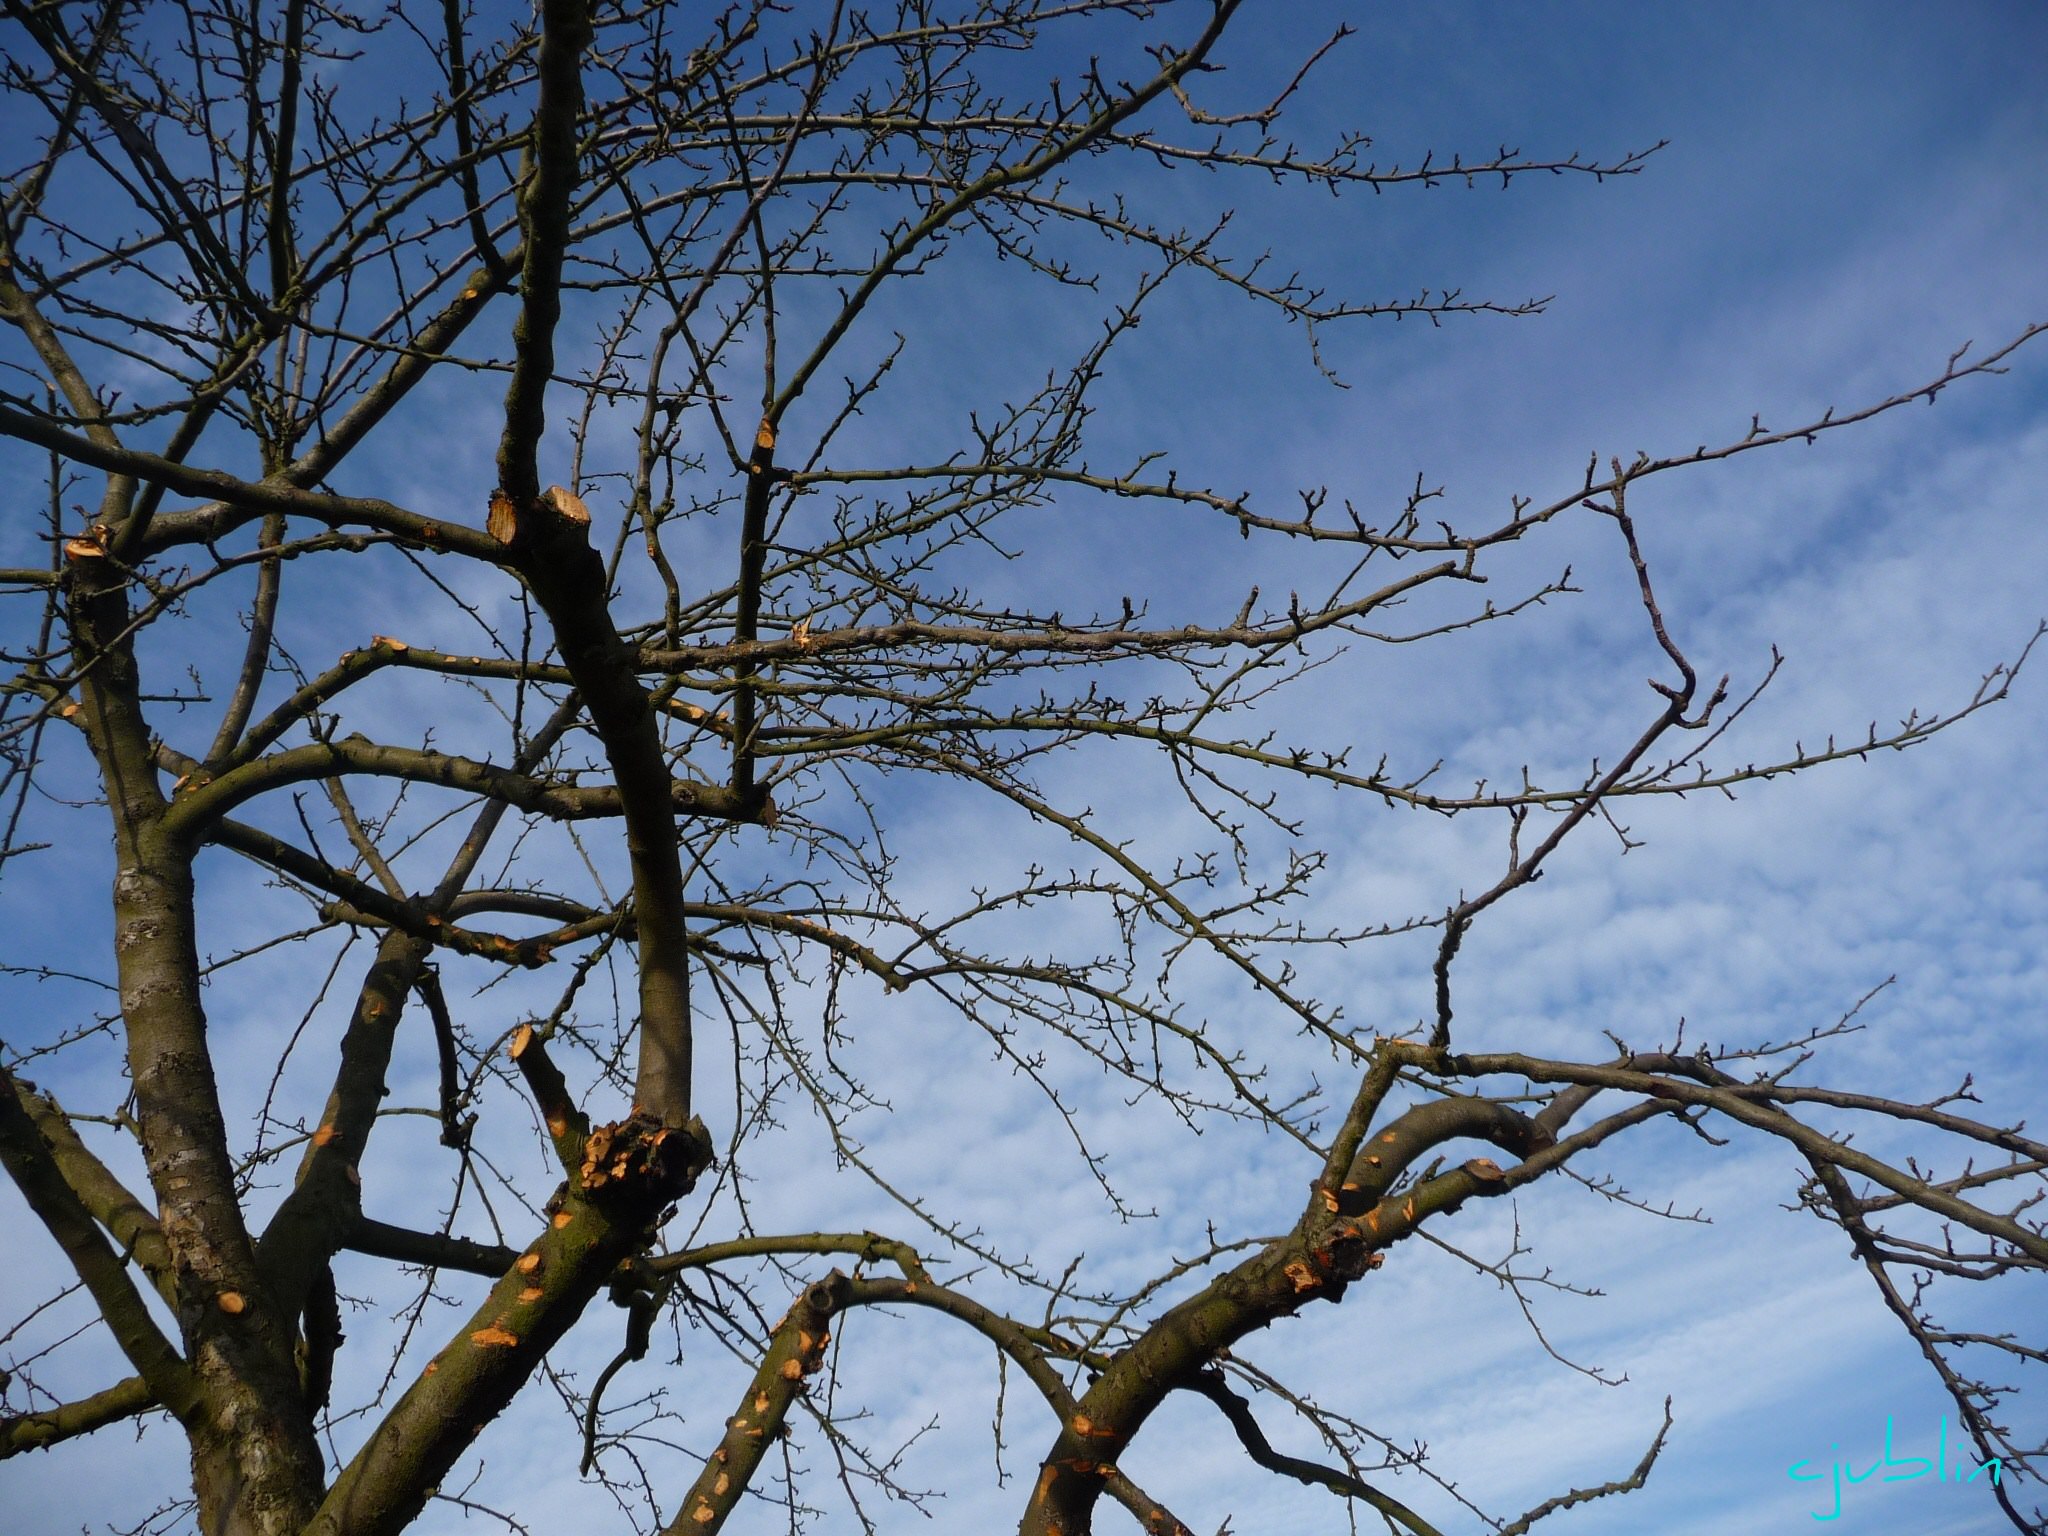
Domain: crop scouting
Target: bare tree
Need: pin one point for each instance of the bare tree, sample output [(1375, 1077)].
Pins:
[(741, 622)]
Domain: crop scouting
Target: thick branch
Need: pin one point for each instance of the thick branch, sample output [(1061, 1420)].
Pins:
[(201, 800), (795, 1351), (106, 1197), (544, 222), (568, 1127), (273, 494), (595, 1222), (33, 1166), (428, 1250), (312, 1220), (34, 1431), (549, 540), (1383, 1160)]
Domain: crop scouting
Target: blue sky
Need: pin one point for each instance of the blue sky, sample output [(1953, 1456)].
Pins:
[(1847, 195)]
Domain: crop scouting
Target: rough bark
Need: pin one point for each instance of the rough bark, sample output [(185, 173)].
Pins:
[(794, 1354), (600, 1218), (257, 1470), (1341, 1236)]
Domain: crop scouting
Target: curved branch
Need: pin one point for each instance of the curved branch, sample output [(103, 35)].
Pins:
[(1638, 1074), (201, 800), (46, 1427), (255, 497), (1211, 1385)]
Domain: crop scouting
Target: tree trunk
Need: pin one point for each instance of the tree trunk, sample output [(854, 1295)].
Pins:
[(257, 1468)]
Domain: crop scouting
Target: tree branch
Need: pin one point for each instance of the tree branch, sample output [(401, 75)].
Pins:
[(795, 1351), (34, 1168), (46, 1427)]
